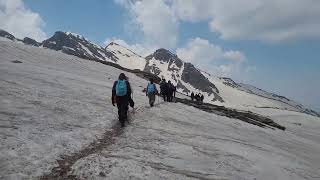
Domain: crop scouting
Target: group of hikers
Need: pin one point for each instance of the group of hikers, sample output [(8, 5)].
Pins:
[(197, 97), (121, 95), (167, 90)]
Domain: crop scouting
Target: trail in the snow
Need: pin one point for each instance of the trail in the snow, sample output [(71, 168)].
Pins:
[(66, 161), (108, 138)]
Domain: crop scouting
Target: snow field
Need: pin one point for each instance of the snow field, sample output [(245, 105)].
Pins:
[(54, 104)]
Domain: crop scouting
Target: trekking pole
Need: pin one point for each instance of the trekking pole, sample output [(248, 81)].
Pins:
[(132, 100)]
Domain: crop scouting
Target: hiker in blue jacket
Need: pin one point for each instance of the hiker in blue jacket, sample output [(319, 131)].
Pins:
[(151, 92), (121, 95)]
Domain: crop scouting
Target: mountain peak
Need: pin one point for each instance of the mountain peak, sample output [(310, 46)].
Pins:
[(77, 45), (119, 49), (7, 35), (113, 44), (164, 55), (165, 52)]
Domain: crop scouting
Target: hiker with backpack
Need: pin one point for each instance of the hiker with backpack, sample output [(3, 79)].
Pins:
[(151, 92), (121, 95), (163, 89)]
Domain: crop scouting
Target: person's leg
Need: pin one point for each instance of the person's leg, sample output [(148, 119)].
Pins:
[(149, 97), (152, 99), (125, 113), (121, 113)]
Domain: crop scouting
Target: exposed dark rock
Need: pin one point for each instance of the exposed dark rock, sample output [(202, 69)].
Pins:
[(78, 46), (142, 74), (181, 86), (229, 82), (194, 77), (152, 69), (245, 116), (5, 34), (16, 61), (166, 56), (190, 74), (30, 41)]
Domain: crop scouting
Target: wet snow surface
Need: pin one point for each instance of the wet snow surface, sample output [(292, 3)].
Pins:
[(54, 106)]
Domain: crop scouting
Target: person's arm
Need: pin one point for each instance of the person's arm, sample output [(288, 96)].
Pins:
[(147, 90), (113, 92)]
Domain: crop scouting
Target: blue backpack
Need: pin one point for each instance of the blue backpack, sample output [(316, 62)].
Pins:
[(151, 88), (121, 88)]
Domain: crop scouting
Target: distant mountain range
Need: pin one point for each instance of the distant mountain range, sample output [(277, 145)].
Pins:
[(164, 64)]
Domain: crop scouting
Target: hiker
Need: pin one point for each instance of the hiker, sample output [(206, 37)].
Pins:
[(163, 89), (121, 95), (192, 96), (174, 91), (197, 97), (151, 92), (170, 89), (201, 98)]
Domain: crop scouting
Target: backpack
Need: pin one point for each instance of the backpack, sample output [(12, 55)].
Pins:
[(151, 88), (121, 88)]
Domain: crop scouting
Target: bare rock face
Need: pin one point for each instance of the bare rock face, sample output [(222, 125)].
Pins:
[(31, 42), (165, 64), (77, 45), (7, 35), (194, 77)]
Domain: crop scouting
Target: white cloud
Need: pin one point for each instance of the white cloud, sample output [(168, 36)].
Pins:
[(212, 58), (234, 55), (201, 50), (265, 20), (191, 10), (155, 19), (20, 21)]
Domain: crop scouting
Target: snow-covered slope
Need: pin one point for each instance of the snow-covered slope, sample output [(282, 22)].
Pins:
[(77, 45), (184, 75), (255, 97), (126, 58), (53, 104), (4, 34), (167, 65), (217, 90)]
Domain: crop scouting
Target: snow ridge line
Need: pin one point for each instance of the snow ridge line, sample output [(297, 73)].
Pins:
[(61, 172)]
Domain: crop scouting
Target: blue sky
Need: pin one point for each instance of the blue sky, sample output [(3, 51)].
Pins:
[(278, 51)]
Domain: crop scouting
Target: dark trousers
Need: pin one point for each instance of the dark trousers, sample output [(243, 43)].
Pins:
[(122, 104), (169, 96), (164, 94), (152, 98)]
